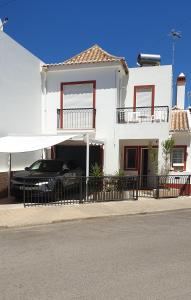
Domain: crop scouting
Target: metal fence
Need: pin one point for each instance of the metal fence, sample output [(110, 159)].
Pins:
[(142, 114), (72, 190), (76, 118), (164, 186)]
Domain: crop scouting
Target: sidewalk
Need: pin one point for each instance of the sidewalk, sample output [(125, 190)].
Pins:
[(15, 215)]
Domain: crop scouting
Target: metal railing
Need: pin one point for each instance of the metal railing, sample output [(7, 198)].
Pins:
[(156, 114), (164, 186), (76, 118), (68, 190)]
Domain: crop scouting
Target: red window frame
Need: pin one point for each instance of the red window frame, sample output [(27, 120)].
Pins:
[(125, 158), (62, 84), (185, 154), (139, 87)]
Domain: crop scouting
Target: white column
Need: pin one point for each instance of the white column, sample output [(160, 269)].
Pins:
[(180, 94), (160, 157), (111, 157)]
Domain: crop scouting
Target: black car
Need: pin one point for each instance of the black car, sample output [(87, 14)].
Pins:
[(45, 178)]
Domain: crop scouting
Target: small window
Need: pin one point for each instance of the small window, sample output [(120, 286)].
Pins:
[(130, 158), (178, 159)]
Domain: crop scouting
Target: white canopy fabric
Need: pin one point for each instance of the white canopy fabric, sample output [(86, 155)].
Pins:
[(15, 144)]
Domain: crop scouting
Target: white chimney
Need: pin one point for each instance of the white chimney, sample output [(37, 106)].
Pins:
[(180, 92), (1, 25)]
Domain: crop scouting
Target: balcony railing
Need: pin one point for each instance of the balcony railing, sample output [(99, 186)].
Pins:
[(150, 114), (76, 118)]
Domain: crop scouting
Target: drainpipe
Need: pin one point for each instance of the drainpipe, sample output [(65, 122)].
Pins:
[(9, 176)]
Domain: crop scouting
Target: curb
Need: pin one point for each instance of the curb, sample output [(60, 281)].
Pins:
[(7, 227)]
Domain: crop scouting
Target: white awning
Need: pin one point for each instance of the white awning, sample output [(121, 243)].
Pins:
[(15, 144)]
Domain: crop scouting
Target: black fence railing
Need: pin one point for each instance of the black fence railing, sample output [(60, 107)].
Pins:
[(143, 114), (68, 190), (76, 118), (164, 186)]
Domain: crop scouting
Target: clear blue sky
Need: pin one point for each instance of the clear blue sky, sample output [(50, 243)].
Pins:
[(55, 30)]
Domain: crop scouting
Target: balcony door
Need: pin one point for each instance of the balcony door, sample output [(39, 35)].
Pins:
[(77, 105)]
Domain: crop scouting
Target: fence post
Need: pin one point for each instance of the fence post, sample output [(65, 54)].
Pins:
[(137, 188), (24, 194), (157, 187), (81, 191)]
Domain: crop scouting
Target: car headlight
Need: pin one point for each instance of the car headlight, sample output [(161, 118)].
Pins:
[(42, 183)]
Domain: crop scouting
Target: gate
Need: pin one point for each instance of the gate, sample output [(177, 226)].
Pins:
[(164, 186)]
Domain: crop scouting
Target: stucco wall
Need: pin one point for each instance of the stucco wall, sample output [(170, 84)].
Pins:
[(20, 94), (105, 104), (159, 76)]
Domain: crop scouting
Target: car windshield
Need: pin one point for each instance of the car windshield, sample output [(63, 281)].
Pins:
[(47, 166)]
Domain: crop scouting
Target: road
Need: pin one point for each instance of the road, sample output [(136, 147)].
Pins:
[(134, 257)]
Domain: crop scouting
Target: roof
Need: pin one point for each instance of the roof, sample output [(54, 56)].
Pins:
[(95, 54), (179, 121)]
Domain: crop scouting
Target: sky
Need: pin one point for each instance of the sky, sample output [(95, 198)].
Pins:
[(55, 30)]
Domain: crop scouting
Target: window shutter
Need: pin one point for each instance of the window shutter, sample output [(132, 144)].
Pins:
[(78, 96), (144, 97)]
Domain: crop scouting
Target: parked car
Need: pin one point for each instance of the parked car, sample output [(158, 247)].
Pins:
[(45, 178)]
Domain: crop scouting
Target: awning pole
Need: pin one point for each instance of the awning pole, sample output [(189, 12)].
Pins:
[(9, 175), (87, 154)]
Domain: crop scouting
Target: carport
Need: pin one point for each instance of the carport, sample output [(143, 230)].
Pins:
[(19, 144)]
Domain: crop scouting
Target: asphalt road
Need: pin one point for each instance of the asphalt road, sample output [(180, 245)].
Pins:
[(134, 257)]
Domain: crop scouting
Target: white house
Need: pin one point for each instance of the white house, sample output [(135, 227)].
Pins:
[(127, 108), (124, 110)]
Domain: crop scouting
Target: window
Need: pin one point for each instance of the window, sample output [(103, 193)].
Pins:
[(179, 158), (144, 97), (130, 160), (77, 105), (78, 95)]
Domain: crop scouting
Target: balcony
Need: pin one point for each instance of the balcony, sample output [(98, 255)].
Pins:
[(157, 114), (76, 118)]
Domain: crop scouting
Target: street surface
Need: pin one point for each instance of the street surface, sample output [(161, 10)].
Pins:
[(143, 257)]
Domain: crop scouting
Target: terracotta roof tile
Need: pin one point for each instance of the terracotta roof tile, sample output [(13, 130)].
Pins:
[(179, 120), (95, 54)]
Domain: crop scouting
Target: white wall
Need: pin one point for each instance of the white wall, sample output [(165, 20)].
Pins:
[(20, 93), (106, 103), (159, 76)]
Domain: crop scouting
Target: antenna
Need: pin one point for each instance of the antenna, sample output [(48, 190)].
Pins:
[(175, 35), (2, 23)]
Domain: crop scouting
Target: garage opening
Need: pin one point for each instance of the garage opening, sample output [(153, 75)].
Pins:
[(77, 155)]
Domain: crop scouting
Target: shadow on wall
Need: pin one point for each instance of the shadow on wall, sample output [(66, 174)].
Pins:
[(104, 79)]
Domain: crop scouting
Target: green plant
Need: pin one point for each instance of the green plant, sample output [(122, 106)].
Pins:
[(167, 147), (153, 156), (96, 170), (120, 173)]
